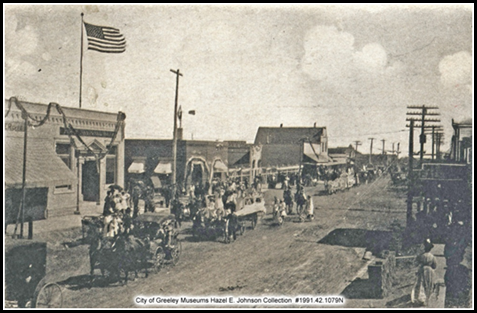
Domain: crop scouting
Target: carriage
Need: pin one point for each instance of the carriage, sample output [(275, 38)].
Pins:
[(159, 232), (148, 241), (250, 209), (183, 209), (204, 225), (345, 181), (26, 282)]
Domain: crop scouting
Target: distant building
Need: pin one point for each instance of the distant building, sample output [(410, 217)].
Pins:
[(56, 162), (198, 161), (285, 149), (343, 154), (461, 145), (286, 146)]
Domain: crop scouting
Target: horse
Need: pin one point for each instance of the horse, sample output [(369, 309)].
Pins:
[(177, 210), (121, 253), (133, 254), (288, 198), (232, 225), (102, 255), (300, 200)]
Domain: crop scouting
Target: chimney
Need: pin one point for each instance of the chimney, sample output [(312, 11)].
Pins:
[(314, 125), (281, 125)]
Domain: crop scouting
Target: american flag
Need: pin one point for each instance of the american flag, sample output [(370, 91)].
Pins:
[(105, 39)]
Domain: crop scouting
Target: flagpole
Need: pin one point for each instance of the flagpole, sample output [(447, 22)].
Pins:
[(174, 138), (81, 61)]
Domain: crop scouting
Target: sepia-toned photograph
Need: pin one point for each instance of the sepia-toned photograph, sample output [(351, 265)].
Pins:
[(238, 156)]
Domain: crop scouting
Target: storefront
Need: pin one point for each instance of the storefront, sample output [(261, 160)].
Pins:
[(72, 156)]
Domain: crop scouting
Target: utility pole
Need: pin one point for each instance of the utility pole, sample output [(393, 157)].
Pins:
[(21, 212), (423, 113), (174, 138), (439, 136), (371, 149), (433, 140), (356, 144), (410, 176), (384, 145)]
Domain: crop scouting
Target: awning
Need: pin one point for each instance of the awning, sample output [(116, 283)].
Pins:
[(43, 166), (163, 168), (319, 159), (156, 182), (137, 167), (219, 166), (313, 151)]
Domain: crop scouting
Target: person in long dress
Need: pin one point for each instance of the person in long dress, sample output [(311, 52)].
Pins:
[(310, 210), (425, 286)]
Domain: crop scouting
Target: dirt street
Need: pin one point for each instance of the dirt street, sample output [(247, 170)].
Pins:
[(320, 257)]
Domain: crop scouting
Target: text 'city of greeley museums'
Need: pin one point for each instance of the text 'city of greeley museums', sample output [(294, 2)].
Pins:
[(242, 300)]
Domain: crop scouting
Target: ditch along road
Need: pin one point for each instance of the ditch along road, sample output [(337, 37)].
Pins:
[(319, 257)]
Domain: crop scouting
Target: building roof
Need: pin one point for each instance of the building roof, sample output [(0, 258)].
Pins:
[(43, 166), (342, 150), (288, 135), (465, 122), (40, 110)]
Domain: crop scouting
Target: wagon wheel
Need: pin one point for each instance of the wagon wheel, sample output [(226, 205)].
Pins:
[(49, 296), (254, 220), (159, 259), (176, 252)]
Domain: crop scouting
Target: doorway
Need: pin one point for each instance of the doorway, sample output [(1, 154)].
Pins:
[(197, 174), (90, 179)]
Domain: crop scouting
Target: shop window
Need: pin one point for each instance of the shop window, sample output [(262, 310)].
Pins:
[(110, 170), (63, 150)]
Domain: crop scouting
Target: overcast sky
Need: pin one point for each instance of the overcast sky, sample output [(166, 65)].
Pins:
[(353, 69)]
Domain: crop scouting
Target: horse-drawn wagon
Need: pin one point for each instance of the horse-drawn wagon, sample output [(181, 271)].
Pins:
[(250, 209), (207, 224), (159, 232), (226, 224), (26, 281), (148, 241)]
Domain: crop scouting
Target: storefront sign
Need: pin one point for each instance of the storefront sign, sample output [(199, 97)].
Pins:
[(89, 132), (15, 126)]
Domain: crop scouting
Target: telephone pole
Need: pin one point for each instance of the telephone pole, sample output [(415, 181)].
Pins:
[(421, 113), (371, 149), (423, 120), (357, 143), (384, 145), (433, 140), (174, 138)]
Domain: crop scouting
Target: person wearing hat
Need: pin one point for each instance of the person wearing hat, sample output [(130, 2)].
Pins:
[(425, 286)]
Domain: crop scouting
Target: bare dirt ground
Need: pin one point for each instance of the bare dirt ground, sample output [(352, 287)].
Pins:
[(321, 257)]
